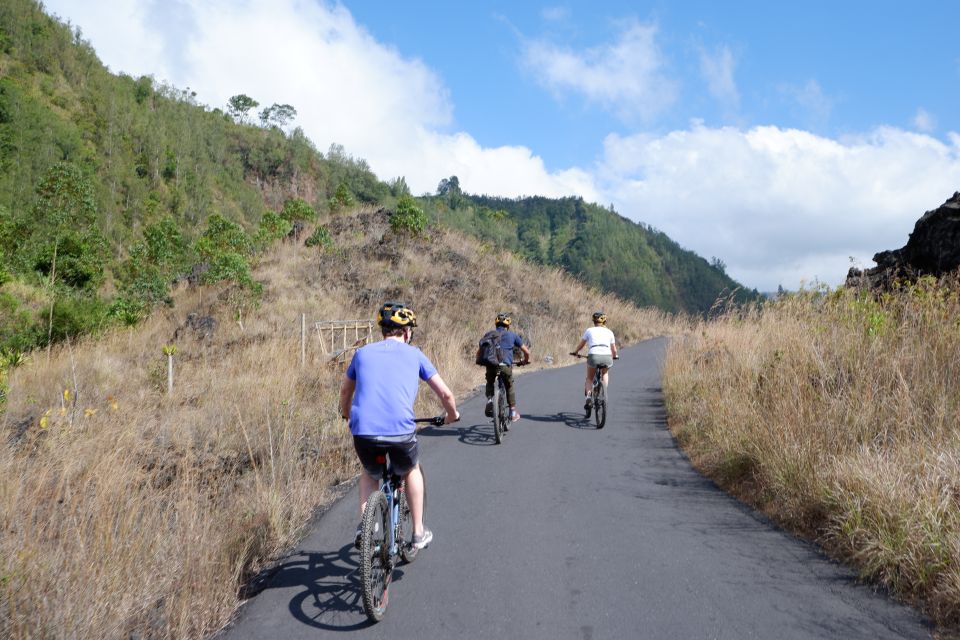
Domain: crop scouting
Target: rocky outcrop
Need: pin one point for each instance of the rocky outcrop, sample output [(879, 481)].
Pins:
[(932, 249)]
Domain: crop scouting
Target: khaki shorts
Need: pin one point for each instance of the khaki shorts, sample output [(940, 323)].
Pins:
[(597, 359)]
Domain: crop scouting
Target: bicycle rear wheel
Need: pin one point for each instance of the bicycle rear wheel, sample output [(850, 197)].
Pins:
[(600, 405), (499, 401), (375, 561), (405, 527), (505, 413)]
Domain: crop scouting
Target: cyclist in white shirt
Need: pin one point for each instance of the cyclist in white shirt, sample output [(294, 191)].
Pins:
[(601, 350)]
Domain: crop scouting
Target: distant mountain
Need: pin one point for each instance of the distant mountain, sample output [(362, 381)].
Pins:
[(596, 244)]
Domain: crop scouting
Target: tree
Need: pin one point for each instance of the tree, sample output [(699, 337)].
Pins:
[(296, 209), (272, 227), (341, 198), (239, 105), (223, 236), (408, 216), (398, 187), (277, 115), (449, 186), (62, 233)]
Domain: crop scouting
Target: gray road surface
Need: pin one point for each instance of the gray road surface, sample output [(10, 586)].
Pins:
[(564, 531)]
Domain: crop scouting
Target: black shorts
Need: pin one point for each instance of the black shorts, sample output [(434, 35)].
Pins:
[(403, 456)]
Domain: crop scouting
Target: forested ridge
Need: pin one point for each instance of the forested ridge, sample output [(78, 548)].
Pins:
[(594, 243), (112, 187)]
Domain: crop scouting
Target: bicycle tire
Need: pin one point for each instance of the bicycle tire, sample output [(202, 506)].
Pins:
[(505, 413), (405, 525), (375, 560), (497, 410), (600, 405)]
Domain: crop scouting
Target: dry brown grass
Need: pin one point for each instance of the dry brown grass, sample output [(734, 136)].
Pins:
[(838, 414), (125, 512)]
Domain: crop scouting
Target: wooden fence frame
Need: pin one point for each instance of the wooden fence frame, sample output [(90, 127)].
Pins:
[(328, 332)]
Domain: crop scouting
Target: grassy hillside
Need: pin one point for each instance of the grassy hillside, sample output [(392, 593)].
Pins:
[(106, 479), (108, 182), (599, 246), (837, 415)]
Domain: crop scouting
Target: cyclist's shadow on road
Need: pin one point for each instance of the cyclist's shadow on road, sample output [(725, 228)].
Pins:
[(331, 595), (477, 434), (575, 420)]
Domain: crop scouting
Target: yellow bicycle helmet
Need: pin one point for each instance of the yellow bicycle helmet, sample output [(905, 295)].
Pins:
[(503, 320), (396, 315), (599, 317)]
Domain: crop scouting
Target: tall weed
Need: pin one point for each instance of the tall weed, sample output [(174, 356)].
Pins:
[(837, 413)]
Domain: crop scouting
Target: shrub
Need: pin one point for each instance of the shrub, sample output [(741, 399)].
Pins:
[(341, 198), (319, 238), (273, 226), (408, 216), (296, 209)]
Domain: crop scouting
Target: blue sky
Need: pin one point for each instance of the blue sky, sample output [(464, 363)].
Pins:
[(786, 139), (827, 67)]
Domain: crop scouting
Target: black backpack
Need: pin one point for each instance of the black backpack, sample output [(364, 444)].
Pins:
[(491, 354)]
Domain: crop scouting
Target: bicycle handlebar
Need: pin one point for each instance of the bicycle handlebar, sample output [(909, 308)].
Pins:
[(580, 355), (435, 421)]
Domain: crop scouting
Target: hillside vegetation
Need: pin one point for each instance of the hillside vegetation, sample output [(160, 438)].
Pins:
[(109, 183), (837, 413), (596, 244), (112, 187), (106, 480)]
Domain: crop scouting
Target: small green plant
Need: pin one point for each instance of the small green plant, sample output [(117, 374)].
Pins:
[(319, 238), (341, 198), (408, 217)]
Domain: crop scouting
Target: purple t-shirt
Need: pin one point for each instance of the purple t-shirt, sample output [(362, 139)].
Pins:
[(388, 375)]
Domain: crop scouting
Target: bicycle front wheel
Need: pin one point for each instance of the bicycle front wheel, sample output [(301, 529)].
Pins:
[(375, 560), (600, 405), (405, 527)]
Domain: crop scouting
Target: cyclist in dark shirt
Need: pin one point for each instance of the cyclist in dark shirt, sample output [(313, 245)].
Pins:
[(508, 341)]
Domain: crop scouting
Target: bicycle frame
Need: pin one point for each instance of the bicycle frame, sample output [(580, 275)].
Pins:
[(393, 506)]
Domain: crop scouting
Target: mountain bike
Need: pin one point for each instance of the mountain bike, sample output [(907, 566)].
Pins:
[(386, 535), (501, 406), (598, 395)]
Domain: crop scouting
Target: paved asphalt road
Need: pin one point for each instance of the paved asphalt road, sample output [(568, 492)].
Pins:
[(564, 531)]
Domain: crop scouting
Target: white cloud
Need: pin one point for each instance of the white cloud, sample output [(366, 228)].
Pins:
[(717, 70), (555, 14), (924, 121), (780, 205), (814, 104), (348, 88), (627, 77)]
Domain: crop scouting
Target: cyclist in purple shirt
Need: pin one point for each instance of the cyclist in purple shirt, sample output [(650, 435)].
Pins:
[(377, 396)]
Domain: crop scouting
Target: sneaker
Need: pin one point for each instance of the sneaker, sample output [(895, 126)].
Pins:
[(514, 416), (421, 541), (488, 410), (587, 403), (356, 541)]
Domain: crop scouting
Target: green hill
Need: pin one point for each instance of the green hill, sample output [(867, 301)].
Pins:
[(108, 184), (596, 244), (111, 187)]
